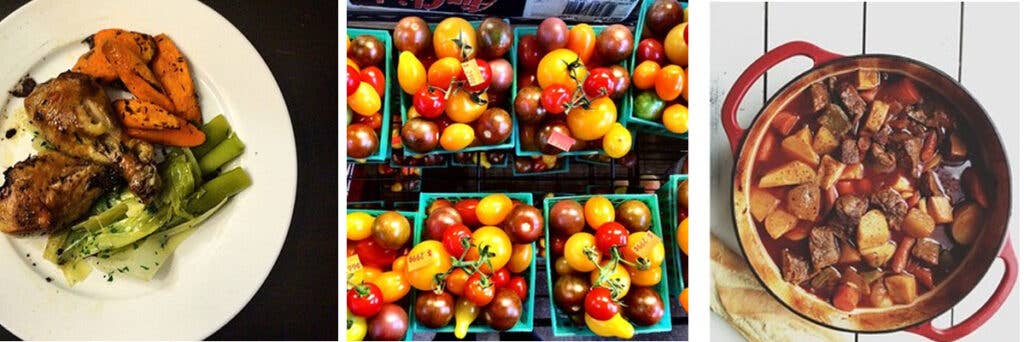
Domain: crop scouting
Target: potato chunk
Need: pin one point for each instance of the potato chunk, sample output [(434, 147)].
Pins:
[(824, 141), (876, 118), (779, 222), (966, 223), (940, 209), (918, 224), (872, 230), (902, 288), (799, 146), (804, 201), (792, 173), (878, 256), (868, 79), (762, 203), (829, 171), (853, 171)]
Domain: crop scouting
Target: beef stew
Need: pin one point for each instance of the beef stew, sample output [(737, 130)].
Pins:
[(875, 179)]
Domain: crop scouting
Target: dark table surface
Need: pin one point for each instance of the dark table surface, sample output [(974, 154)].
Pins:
[(298, 40)]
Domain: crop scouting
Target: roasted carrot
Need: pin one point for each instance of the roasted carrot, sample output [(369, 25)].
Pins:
[(135, 74), (94, 64), (172, 69), (902, 255), (185, 136), (784, 122), (143, 114)]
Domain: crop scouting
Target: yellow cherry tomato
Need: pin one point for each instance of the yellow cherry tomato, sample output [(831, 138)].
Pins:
[(619, 276), (643, 245), (676, 118), (669, 82), (365, 100), (648, 277), (393, 286), (449, 30), (598, 210), (676, 48), (464, 107), (614, 327), (576, 249), (412, 76), (353, 64), (683, 235), (370, 273), (593, 122), (359, 225), (522, 255), (356, 329), (457, 136), (399, 264), (645, 74), (559, 67), (493, 209), (496, 241), (618, 141), (412, 113), (426, 260)]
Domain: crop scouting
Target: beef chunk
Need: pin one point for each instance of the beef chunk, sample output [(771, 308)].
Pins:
[(941, 119), (851, 100), (835, 120), (819, 96), (794, 268), (824, 247), (931, 185), (825, 280), (881, 160), (927, 250), (892, 204), (908, 154), (848, 210), (882, 136), (848, 152), (917, 114)]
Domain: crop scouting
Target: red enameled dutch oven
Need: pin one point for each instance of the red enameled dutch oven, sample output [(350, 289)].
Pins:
[(992, 241)]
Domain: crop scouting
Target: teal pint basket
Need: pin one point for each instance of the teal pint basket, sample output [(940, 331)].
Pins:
[(525, 323), (668, 197), (562, 167), (561, 325), (626, 118), (382, 154)]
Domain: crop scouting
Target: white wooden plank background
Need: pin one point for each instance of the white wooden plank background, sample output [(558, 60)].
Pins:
[(933, 33)]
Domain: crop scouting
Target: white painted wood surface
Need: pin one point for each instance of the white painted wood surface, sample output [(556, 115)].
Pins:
[(988, 68)]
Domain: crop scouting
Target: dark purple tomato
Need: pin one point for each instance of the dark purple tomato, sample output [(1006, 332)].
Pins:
[(362, 141)]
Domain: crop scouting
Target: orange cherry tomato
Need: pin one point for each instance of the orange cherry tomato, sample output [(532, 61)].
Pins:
[(559, 67), (393, 285), (456, 281), (450, 29), (598, 210), (645, 74), (581, 41), (493, 209), (442, 72), (522, 255), (496, 241), (669, 82), (399, 264)]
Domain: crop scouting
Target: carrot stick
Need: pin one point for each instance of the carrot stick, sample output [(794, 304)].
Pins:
[(141, 114), (132, 70), (172, 69), (185, 136)]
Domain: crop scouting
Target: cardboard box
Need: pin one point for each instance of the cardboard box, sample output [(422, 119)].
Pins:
[(593, 11)]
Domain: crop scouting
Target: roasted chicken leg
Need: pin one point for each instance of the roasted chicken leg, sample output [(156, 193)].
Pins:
[(50, 191), (74, 114)]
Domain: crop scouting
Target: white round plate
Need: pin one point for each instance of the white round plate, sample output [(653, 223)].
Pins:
[(219, 268)]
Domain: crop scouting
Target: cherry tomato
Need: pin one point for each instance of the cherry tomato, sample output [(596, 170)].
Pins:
[(600, 82), (412, 76), (497, 244), (611, 234), (636, 248), (448, 31), (393, 285), (645, 74), (599, 304), (582, 40), (650, 49), (676, 118), (501, 277), (619, 276), (477, 292), (465, 107), (493, 209), (374, 77), (429, 259), (555, 98), (518, 285), (648, 277), (457, 136), (669, 82), (558, 244), (452, 240), (594, 122), (372, 253), (429, 102), (365, 300), (400, 264), (352, 79), (370, 273), (456, 281), (522, 255), (485, 75), (598, 210), (442, 72), (365, 101), (528, 52), (560, 67), (374, 121), (467, 210), (576, 250), (359, 225)]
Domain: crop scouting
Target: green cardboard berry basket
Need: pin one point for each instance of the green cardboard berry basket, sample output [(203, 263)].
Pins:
[(413, 217), (525, 323), (668, 196), (561, 325), (476, 160), (623, 106), (626, 118), (406, 102), (382, 154), (562, 167)]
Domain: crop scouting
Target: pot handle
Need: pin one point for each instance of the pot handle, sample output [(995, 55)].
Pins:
[(754, 71), (956, 332)]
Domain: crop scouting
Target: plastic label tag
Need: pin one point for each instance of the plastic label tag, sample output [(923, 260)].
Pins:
[(561, 141), (647, 243), (472, 72), (421, 260), (355, 267)]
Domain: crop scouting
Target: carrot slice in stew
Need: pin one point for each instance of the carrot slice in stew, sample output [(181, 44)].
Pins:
[(135, 74), (902, 255), (846, 297), (141, 114), (172, 69), (784, 122)]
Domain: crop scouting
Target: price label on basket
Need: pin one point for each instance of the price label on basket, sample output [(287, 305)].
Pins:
[(561, 141), (354, 267), (646, 244), (472, 72), (421, 259)]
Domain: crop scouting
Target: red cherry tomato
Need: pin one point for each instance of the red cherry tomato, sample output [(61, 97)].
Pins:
[(374, 121), (477, 292), (485, 75), (600, 82), (555, 97), (365, 300), (374, 77), (467, 209), (599, 304), (501, 277), (372, 253), (558, 245), (528, 52), (518, 285), (452, 239), (429, 102), (610, 234), (352, 79), (650, 49)]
